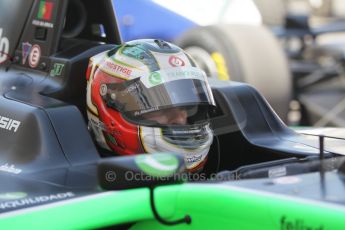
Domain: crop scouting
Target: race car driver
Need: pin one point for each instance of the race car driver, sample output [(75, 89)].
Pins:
[(149, 96)]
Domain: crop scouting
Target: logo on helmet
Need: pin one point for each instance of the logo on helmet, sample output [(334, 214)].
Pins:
[(117, 68), (176, 61), (155, 78)]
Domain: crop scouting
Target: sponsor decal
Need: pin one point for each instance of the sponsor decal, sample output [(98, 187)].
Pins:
[(155, 78), (57, 69), (172, 74), (297, 224), (193, 159), (176, 61), (45, 10), (187, 132), (134, 52), (277, 172), (10, 169), (161, 164), (287, 180), (26, 47), (9, 124), (117, 69), (97, 123), (12, 195), (36, 22), (152, 109), (185, 73), (34, 56), (4, 47), (35, 200)]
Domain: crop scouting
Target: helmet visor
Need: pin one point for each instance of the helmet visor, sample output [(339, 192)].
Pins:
[(169, 88)]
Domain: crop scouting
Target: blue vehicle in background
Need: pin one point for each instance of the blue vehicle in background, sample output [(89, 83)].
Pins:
[(136, 21)]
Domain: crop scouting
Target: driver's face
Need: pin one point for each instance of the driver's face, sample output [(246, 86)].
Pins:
[(173, 116)]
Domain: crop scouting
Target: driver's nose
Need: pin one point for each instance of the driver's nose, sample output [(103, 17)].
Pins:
[(178, 117)]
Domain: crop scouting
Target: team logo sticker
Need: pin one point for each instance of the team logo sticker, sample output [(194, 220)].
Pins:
[(26, 47), (57, 69), (34, 56), (176, 61)]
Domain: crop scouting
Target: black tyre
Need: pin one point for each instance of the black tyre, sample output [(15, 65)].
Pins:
[(243, 53)]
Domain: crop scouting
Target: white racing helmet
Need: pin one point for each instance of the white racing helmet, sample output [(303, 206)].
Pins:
[(149, 96)]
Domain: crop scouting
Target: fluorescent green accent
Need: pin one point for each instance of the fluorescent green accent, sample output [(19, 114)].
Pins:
[(12, 195), (155, 78), (42, 9), (111, 139), (220, 207), (104, 210), (57, 69), (211, 206), (159, 165)]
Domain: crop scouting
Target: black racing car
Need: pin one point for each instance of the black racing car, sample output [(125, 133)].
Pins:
[(52, 175)]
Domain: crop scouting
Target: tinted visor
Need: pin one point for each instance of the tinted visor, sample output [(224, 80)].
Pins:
[(175, 87)]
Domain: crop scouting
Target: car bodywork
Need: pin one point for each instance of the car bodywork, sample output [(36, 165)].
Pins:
[(50, 167)]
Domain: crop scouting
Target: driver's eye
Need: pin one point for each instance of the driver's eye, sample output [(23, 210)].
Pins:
[(168, 117)]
